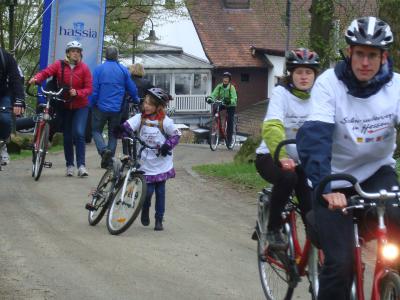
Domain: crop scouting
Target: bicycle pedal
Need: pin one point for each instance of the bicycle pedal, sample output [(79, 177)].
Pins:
[(48, 164), (90, 207)]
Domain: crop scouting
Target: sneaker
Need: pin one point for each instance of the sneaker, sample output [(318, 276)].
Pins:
[(4, 157), (106, 156), (276, 240), (159, 226), (70, 171), (82, 172)]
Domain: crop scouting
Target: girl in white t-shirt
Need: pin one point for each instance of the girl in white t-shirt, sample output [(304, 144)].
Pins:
[(155, 128), (288, 109)]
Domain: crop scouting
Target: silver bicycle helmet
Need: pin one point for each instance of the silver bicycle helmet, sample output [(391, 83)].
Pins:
[(160, 95), (369, 31), (73, 45)]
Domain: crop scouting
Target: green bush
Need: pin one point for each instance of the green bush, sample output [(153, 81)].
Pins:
[(247, 152)]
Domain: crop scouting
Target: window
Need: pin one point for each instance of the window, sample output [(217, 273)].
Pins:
[(245, 77), (199, 86), (243, 4), (160, 80), (163, 81), (182, 84)]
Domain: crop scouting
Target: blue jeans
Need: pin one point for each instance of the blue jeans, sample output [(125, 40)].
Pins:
[(74, 134), (5, 117), (99, 120), (159, 188)]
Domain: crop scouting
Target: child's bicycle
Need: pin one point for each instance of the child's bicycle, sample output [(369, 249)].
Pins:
[(281, 271), (218, 127), (386, 279), (121, 190), (42, 131)]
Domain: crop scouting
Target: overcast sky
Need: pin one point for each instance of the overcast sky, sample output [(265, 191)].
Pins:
[(177, 31)]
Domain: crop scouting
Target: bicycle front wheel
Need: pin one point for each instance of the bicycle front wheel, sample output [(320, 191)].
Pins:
[(40, 150), (127, 203), (100, 197), (390, 286), (214, 133)]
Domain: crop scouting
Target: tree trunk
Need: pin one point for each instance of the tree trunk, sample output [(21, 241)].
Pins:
[(320, 30)]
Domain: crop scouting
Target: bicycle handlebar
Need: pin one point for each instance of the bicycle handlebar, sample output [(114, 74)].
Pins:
[(381, 195), (280, 146), (51, 93)]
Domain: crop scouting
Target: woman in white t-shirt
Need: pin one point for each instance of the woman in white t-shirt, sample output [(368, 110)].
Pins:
[(288, 108), (155, 128)]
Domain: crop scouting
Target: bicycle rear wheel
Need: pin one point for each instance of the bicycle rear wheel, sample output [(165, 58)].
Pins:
[(39, 153), (390, 286), (127, 203), (214, 133), (100, 197)]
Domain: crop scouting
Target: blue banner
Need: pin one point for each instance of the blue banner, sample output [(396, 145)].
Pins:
[(73, 20)]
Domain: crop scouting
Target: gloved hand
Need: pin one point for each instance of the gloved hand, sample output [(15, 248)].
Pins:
[(209, 100), (119, 132), (165, 150), (227, 101)]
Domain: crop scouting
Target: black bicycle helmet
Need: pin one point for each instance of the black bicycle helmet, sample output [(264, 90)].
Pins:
[(369, 31), (302, 57), (160, 95), (227, 74)]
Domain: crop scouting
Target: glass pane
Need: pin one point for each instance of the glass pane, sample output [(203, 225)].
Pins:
[(182, 84), (150, 77), (163, 81), (199, 84)]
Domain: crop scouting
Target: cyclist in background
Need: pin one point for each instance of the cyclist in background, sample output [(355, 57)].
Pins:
[(351, 129), (287, 110), (111, 81), (226, 92), (137, 73), (78, 86), (11, 96)]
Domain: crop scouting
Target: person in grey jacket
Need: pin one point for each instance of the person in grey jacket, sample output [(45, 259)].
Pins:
[(111, 81)]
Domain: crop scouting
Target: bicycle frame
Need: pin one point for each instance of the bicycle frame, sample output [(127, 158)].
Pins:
[(383, 265), (217, 114)]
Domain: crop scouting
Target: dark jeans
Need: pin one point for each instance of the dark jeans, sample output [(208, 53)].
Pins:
[(99, 120), (159, 189), (74, 134), (5, 117), (284, 182), (230, 111), (336, 236)]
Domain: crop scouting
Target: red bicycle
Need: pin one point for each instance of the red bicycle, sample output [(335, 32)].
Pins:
[(386, 279), (41, 133), (218, 127), (281, 271)]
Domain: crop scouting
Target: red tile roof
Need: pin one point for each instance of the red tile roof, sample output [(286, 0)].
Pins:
[(228, 34)]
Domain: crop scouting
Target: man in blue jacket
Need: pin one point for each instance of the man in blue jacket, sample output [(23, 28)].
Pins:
[(111, 81)]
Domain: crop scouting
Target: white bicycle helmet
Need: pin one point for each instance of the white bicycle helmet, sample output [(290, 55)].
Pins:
[(73, 45), (369, 31)]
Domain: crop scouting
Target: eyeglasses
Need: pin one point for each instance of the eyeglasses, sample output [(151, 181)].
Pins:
[(372, 56)]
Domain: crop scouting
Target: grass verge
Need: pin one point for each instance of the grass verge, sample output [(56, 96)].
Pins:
[(28, 153), (242, 174)]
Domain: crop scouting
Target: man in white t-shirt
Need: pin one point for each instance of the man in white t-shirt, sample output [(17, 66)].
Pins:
[(351, 129)]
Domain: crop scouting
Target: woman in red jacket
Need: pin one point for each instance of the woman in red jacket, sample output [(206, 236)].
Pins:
[(78, 81)]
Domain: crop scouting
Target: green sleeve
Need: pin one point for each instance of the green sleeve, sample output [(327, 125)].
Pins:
[(273, 133), (233, 96), (215, 93)]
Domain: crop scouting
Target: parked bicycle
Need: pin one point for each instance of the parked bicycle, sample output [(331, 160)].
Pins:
[(42, 130), (219, 125), (386, 279), (121, 190), (281, 271)]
